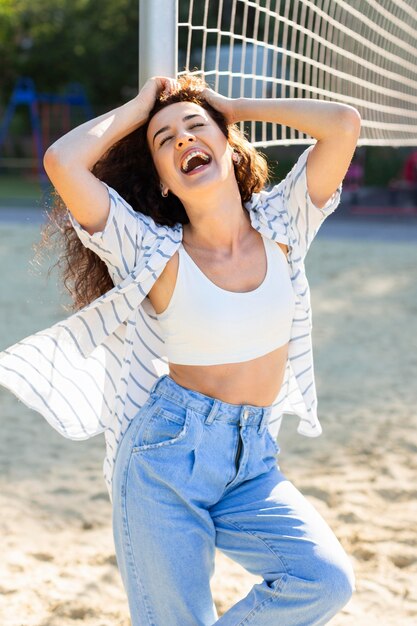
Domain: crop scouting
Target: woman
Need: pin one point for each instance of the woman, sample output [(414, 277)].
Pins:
[(199, 274)]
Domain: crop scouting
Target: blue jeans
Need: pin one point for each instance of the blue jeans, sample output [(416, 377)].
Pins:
[(194, 473)]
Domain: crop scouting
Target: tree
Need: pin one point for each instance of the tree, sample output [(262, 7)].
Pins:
[(55, 42)]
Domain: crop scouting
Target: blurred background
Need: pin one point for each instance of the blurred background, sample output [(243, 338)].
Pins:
[(59, 68)]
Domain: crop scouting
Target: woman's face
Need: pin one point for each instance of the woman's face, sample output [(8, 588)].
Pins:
[(190, 152)]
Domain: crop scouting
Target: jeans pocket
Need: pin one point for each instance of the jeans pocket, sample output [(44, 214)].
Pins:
[(166, 424)]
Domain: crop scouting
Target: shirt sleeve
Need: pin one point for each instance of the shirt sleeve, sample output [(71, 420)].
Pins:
[(119, 243), (304, 217)]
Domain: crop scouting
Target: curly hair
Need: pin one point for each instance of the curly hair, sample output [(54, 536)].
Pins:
[(132, 173)]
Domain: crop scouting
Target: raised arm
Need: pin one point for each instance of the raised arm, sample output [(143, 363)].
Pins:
[(69, 160), (335, 126)]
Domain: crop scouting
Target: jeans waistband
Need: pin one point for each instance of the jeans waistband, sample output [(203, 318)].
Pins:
[(212, 408)]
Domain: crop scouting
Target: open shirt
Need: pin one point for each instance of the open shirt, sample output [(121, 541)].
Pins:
[(92, 372)]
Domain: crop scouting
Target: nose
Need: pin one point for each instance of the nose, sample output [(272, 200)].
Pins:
[(184, 139)]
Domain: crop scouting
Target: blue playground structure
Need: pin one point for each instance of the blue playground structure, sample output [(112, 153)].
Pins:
[(43, 107)]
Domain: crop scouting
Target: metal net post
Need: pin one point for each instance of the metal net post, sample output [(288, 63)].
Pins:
[(158, 39)]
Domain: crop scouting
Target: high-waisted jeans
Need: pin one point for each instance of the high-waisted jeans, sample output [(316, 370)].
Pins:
[(194, 473)]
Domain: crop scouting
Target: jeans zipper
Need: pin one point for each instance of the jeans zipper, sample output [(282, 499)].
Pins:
[(239, 448)]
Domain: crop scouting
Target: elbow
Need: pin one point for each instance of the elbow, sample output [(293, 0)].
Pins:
[(350, 121), (50, 158), (53, 159)]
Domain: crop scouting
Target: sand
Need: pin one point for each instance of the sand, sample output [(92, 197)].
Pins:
[(58, 566)]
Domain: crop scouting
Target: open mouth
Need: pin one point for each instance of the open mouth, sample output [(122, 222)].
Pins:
[(195, 161)]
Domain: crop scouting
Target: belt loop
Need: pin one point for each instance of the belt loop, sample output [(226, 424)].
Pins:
[(263, 424), (154, 386), (213, 411)]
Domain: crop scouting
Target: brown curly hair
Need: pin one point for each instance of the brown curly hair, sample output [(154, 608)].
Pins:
[(131, 172)]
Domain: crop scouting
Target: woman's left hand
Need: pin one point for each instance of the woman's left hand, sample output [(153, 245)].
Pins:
[(226, 106)]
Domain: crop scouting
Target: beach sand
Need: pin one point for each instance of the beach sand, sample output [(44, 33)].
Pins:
[(58, 565)]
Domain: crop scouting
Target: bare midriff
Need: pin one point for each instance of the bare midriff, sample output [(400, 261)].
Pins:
[(256, 381)]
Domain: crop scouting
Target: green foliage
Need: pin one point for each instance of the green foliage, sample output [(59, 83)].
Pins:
[(55, 42), (382, 164)]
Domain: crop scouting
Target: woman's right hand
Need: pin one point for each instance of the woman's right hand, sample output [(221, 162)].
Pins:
[(70, 160), (153, 88)]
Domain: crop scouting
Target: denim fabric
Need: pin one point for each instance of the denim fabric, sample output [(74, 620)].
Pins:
[(181, 488)]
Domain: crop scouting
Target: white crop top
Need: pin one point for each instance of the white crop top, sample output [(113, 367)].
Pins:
[(207, 325)]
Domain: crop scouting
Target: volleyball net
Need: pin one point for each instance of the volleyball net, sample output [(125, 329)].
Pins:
[(359, 52)]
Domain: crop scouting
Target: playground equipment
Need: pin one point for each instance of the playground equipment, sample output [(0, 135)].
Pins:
[(48, 112)]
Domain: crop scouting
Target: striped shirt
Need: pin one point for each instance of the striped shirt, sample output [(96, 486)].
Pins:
[(92, 372)]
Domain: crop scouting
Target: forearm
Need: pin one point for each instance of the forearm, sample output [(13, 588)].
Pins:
[(318, 118), (85, 144)]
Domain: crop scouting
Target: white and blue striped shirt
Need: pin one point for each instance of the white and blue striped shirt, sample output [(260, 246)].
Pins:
[(92, 372)]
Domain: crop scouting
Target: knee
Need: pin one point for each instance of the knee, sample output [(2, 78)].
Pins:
[(327, 579), (336, 581)]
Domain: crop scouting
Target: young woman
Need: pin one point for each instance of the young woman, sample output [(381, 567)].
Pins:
[(191, 338)]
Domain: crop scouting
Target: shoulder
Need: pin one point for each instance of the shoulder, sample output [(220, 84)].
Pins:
[(278, 192), (150, 229)]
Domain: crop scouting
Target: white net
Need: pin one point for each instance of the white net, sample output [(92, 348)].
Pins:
[(360, 52)]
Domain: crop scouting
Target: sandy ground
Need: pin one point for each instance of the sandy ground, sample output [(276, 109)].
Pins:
[(58, 566)]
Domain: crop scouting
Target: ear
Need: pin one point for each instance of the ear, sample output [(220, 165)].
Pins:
[(237, 157), (230, 150)]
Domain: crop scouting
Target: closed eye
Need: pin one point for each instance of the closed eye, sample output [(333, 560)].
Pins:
[(170, 136), (164, 140)]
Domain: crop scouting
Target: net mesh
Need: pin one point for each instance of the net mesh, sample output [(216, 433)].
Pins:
[(360, 52)]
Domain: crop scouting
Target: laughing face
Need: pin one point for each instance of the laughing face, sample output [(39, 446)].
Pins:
[(190, 152)]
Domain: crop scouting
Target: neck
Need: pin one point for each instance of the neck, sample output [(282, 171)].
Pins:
[(218, 220)]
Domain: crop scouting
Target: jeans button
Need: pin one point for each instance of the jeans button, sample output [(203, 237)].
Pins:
[(245, 414)]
